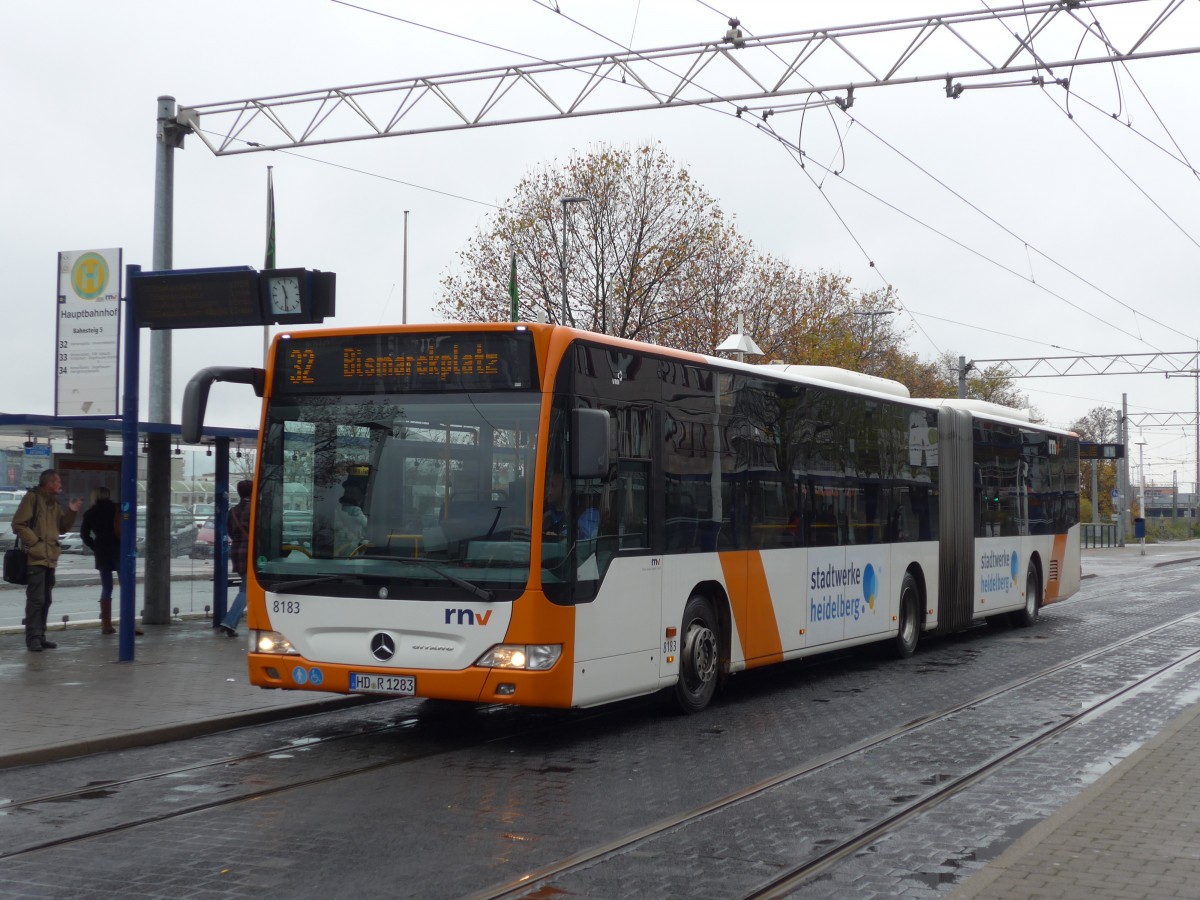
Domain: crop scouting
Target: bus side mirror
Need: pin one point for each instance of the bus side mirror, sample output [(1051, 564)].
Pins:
[(589, 443), (195, 395)]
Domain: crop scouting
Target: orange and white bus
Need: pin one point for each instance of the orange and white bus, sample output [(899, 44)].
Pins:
[(532, 514)]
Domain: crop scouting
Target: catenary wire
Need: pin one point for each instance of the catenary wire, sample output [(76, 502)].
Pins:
[(994, 331), (819, 187), (1015, 236), (991, 219), (959, 243), (1105, 153), (1030, 280), (824, 196), (326, 162)]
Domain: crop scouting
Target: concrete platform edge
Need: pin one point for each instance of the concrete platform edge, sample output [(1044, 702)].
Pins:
[(1175, 562), (146, 737), (1013, 857)]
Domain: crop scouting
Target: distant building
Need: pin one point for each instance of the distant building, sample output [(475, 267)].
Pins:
[(1162, 502)]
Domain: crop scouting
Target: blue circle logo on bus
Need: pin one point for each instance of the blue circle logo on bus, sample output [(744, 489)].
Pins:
[(299, 675), (315, 677), (870, 585), (1012, 564)]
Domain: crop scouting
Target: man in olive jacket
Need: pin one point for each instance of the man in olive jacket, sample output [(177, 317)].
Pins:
[(38, 522)]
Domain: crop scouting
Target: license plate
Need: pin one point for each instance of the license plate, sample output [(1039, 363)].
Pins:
[(403, 685)]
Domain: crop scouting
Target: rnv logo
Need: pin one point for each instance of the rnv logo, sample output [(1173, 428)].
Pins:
[(467, 617)]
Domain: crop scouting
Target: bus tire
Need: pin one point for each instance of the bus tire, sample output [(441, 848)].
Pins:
[(699, 656), (908, 631), (1025, 617)]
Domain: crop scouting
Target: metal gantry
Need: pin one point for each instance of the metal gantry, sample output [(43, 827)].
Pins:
[(1115, 364), (1163, 419), (1038, 40)]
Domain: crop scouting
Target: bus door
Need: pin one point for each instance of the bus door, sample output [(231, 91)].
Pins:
[(596, 551)]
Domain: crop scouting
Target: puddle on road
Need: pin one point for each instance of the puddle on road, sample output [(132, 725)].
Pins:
[(935, 879), (98, 794), (197, 788)]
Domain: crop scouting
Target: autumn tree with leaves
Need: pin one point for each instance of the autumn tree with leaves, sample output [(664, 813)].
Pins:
[(645, 228), (1101, 425), (650, 256)]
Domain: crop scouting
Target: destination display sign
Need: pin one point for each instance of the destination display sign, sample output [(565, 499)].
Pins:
[(394, 363), (195, 299), (232, 297), (1089, 450)]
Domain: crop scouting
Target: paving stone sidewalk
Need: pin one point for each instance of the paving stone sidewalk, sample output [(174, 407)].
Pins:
[(1135, 833)]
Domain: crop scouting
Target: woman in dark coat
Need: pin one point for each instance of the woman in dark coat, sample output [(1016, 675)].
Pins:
[(99, 534)]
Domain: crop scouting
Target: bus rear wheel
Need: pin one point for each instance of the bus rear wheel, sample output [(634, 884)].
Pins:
[(908, 632), (1026, 616), (699, 656)]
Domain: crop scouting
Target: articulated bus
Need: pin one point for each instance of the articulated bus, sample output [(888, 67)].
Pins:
[(532, 514)]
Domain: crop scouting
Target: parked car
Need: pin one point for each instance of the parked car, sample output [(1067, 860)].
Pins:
[(203, 512), (182, 528), (71, 542), (205, 539), (8, 509)]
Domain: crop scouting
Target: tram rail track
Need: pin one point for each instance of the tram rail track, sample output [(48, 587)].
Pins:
[(96, 787), (796, 875), (787, 882), (630, 841)]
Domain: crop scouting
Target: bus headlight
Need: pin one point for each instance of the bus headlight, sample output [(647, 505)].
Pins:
[(274, 642), (536, 657)]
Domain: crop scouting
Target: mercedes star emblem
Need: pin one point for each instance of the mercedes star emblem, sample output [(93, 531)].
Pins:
[(382, 646)]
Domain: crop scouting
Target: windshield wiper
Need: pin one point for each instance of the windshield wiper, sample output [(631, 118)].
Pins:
[(482, 593), (285, 586)]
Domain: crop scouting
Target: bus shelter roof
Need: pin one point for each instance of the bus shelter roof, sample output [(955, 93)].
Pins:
[(45, 428)]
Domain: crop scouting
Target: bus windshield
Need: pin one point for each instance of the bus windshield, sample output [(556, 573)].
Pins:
[(401, 495)]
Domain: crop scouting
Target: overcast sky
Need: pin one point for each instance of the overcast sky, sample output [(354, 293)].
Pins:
[(1074, 223)]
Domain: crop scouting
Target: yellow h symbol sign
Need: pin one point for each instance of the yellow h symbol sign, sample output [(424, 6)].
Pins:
[(89, 276)]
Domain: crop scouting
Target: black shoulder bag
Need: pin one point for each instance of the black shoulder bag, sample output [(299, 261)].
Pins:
[(16, 559)]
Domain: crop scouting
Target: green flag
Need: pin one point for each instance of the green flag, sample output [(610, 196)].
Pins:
[(512, 286), (269, 262)]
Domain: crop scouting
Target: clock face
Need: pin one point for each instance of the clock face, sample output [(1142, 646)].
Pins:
[(285, 294)]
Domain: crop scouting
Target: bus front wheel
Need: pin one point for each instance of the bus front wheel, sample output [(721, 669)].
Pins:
[(904, 644), (1026, 616), (699, 655)]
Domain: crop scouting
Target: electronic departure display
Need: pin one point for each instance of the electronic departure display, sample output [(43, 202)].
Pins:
[(1090, 450), (391, 363), (231, 297)]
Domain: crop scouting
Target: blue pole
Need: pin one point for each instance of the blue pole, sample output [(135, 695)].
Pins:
[(220, 550), (127, 569)]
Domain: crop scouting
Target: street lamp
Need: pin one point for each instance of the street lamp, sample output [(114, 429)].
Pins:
[(564, 201), (739, 343)]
